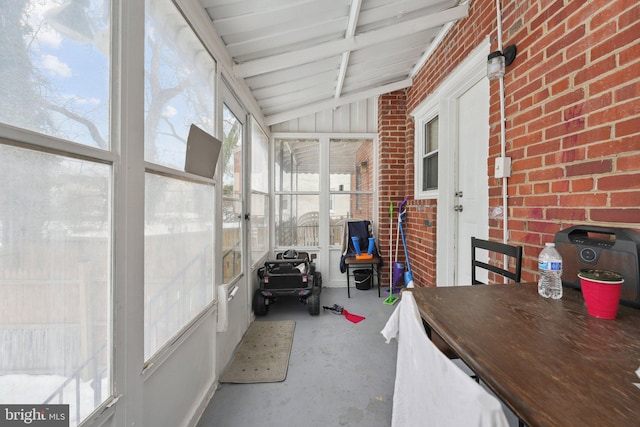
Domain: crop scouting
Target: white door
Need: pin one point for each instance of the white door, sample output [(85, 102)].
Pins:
[(471, 196), (463, 201), (234, 260)]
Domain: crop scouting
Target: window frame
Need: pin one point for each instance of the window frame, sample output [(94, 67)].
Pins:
[(424, 115), (152, 168)]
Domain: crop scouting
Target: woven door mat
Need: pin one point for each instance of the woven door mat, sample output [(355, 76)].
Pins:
[(263, 354)]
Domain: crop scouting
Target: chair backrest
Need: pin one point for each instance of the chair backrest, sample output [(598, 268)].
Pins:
[(513, 252), (362, 229)]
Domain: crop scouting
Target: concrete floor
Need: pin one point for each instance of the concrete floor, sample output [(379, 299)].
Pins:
[(340, 373)]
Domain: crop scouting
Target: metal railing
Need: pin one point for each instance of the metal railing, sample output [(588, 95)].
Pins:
[(96, 383)]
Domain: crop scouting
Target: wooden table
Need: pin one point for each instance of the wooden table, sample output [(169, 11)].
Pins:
[(548, 360), (373, 264)]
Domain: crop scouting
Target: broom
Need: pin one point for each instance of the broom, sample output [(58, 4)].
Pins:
[(391, 299)]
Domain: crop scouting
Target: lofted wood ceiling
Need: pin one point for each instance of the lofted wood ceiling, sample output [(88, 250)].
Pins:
[(299, 57)]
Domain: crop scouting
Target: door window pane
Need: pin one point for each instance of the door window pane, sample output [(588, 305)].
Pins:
[(55, 280), (259, 159), (54, 77), (232, 209), (344, 207), (231, 240), (178, 252), (297, 220), (232, 152), (351, 165), (297, 165), (259, 223), (259, 239), (179, 85)]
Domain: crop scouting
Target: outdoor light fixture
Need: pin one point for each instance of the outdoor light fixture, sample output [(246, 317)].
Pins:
[(497, 61)]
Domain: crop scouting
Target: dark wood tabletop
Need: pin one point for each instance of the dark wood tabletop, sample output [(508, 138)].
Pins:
[(548, 360)]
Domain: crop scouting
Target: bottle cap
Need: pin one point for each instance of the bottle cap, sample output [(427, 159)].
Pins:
[(550, 245)]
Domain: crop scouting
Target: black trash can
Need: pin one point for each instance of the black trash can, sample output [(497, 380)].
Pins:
[(362, 279)]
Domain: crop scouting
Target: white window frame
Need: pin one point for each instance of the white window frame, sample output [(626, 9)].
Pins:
[(426, 112)]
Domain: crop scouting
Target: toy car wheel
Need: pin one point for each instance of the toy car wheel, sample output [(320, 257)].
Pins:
[(260, 306), (318, 279), (313, 303)]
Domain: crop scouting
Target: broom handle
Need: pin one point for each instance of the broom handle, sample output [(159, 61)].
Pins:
[(391, 247)]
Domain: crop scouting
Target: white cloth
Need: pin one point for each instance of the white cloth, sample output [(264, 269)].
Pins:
[(430, 390)]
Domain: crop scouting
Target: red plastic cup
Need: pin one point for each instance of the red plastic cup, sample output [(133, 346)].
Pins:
[(602, 297)]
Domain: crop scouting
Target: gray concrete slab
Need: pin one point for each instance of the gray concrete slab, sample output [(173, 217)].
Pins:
[(340, 373)]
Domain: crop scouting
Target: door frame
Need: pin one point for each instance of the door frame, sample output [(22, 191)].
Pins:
[(470, 71), (239, 306)]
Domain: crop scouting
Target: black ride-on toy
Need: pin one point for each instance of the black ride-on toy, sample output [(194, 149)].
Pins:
[(291, 274)]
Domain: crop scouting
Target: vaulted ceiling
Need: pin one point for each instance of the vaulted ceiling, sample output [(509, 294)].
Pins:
[(300, 57)]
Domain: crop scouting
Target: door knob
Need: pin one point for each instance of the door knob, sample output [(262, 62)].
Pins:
[(457, 208)]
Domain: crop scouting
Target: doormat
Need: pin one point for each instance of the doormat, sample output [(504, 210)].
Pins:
[(263, 354)]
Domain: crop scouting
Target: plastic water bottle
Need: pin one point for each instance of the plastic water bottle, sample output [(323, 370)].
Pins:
[(550, 269)]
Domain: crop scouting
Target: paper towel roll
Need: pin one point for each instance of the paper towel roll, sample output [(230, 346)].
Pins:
[(223, 307)]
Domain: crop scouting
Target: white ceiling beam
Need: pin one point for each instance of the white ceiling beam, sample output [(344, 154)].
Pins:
[(335, 103), (290, 59), (354, 12)]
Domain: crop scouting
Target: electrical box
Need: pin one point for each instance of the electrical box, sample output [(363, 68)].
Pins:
[(503, 167)]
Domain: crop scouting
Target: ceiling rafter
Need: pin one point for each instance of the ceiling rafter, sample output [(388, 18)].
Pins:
[(335, 103), (354, 13), (298, 58), (302, 56)]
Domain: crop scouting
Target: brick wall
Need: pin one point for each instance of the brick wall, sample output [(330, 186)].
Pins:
[(572, 120)]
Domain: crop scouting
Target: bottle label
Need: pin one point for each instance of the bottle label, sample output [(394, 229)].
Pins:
[(550, 265)]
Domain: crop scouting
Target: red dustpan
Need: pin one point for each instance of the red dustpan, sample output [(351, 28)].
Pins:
[(352, 317), (338, 309)]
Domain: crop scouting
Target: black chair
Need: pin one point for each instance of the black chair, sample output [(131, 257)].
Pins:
[(513, 252), (362, 230), (511, 272)]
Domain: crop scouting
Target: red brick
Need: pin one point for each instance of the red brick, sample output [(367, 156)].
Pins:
[(546, 174), (565, 128), (543, 148), (629, 163), (589, 168), (629, 54), (541, 188), (547, 13), (544, 200), (582, 184), (625, 199), (564, 214), (615, 113), (561, 186), (542, 227), (630, 216), (619, 146), (595, 70), (628, 92), (619, 182), (588, 136), (583, 200), (617, 77), (559, 102), (620, 39)]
